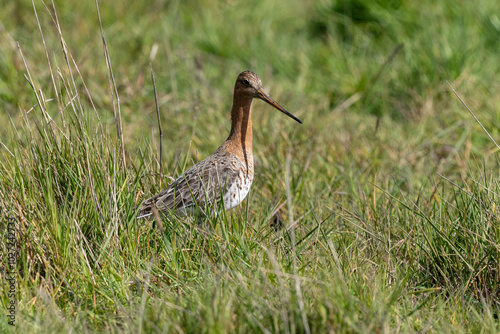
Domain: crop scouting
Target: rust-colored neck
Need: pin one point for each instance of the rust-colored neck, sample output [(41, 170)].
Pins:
[(240, 137)]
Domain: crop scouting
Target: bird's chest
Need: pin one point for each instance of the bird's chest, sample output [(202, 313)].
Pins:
[(237, 190)]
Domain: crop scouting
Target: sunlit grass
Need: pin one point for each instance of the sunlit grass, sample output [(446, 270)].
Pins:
[(388, 192)]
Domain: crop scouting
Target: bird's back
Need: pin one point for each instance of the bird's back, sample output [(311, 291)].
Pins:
[(221, 175)]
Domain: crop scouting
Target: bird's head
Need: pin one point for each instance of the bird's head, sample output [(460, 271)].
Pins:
[(249, 85)]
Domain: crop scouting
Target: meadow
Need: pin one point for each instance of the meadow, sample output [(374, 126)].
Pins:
[(379, 214)]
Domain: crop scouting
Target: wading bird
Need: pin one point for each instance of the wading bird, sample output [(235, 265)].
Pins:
[(228, 173)]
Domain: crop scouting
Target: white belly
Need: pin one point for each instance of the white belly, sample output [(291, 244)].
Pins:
[(236, 192)]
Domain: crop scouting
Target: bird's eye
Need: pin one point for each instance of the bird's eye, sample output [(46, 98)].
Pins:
[(245, 82)]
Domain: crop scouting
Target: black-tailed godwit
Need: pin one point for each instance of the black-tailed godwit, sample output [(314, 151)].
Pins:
[(228, 173)]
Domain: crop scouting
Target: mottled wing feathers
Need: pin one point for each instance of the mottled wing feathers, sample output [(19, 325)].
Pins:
[(202, 184)]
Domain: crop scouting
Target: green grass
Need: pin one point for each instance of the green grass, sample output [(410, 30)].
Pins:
[(388, 191)]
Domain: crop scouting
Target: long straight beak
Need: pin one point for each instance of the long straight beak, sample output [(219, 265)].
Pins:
[(264, 97)]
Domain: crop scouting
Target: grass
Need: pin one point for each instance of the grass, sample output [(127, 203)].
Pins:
[(388, 191)]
